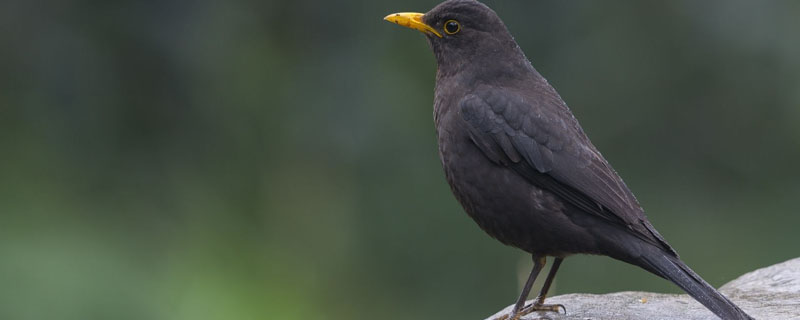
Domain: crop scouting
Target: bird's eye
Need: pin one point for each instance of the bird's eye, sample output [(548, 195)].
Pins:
[(452, 27)]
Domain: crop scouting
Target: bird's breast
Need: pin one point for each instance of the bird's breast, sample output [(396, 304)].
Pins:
[(502, 203)]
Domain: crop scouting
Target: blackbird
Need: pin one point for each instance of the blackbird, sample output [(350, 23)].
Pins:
[(521, 166)]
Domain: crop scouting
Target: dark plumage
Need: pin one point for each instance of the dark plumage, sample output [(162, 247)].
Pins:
[(522, 167)]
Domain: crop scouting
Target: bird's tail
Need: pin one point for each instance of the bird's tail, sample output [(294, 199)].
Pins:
[(673, 269)]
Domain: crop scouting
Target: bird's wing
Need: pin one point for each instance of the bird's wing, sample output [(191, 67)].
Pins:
[(541, 140)]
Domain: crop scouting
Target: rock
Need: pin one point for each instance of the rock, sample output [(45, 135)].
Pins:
[(769, 293)]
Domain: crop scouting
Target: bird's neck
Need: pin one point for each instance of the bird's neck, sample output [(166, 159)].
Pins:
[(496, 59), (499, 64)]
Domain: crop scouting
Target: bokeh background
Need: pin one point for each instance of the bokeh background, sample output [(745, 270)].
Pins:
[(277, 159)]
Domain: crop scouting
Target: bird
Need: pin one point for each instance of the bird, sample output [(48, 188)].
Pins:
[(521, 166)]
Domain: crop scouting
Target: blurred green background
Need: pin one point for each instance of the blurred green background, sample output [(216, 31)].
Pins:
[(277, 159)]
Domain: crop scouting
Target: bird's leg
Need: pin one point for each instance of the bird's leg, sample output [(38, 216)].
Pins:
[(538, 264), (539, 304)]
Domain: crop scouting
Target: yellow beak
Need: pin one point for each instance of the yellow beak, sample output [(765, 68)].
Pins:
[(411, 20)]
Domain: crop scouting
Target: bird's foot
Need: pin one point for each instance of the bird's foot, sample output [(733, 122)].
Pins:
[(533, 307), (543, 307)]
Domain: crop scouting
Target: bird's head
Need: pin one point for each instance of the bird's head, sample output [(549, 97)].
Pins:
[(462, 33)]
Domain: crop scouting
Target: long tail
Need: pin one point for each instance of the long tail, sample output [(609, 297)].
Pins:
[(673, 269)]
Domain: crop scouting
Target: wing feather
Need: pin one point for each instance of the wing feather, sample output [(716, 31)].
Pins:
[(542, 141)]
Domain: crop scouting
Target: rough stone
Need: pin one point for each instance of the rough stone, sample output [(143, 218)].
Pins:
[(768, 293)]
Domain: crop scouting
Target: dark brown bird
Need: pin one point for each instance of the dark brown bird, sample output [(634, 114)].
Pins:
[(521, 166)]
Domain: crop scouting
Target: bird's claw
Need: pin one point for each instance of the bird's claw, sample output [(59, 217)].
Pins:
[(544, 307), (531, 308)]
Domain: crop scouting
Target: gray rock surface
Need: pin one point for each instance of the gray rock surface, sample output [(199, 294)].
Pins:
[(769, 293)]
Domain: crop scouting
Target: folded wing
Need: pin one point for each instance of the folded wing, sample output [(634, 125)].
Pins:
[(541, 140)]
